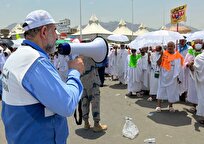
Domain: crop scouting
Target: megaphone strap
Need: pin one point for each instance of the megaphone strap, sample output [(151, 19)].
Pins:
[(78, 121)]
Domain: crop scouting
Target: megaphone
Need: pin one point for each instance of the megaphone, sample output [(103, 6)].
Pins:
[(97, 49)]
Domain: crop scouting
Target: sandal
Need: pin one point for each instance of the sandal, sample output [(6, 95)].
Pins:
[(192, 110), (129, 94), (139, 95), (141, 92), (171, 109), (150, 99), (158, 109), (201, 122)]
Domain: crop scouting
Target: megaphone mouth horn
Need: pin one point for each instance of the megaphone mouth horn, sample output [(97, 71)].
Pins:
[(96, 49), (107, 49)]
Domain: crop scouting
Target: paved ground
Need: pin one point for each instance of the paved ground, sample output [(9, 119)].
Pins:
[(180, 127)]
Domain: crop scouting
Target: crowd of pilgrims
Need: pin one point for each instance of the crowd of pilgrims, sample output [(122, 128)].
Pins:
[(165, 72)]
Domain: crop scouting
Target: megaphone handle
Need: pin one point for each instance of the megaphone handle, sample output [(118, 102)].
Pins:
[(73, 56)]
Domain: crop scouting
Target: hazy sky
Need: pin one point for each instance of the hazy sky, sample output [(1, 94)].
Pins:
[(153, 13)]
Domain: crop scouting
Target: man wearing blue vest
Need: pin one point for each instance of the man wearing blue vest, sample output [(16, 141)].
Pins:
[(35, 101), (183, 47)]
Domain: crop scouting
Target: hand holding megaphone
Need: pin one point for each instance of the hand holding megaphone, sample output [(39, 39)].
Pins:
[(77, 64), (97, 49)]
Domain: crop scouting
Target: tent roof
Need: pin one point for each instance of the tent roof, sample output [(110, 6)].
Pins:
[(122, 29), (93, 27), (181, 29), (163, 28), (142, 30), (93, 19), (18, 29), (122, 23), (142, 26)]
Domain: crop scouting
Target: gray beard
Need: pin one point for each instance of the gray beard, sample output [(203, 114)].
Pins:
[(50, 49)]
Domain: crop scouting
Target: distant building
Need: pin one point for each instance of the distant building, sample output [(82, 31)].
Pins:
[(72, 31), (5, 33), (17, 31), (64, 26)]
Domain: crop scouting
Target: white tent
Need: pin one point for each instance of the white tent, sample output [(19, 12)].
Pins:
[(142, 30), (94, 28), (163, 28), (18, 29), (123, 29)]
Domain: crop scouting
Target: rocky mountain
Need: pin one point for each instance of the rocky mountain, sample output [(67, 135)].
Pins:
[(11, 26), (112, 25)]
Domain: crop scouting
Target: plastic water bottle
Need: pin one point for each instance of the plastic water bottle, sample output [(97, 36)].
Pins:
[(150, 141)]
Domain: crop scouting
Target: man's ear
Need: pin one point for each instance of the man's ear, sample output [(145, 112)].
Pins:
[(43, 32)]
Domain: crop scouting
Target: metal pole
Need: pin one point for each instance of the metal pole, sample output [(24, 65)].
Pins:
[(80, 23), (177, 27), (132, 20), (163, 15)]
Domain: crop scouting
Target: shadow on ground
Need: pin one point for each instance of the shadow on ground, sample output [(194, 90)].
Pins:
[(197, 118), (150, 104), (177, 118), (118, 86), (197, 126), (88, 134)]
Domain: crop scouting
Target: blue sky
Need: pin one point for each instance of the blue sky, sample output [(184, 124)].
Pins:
[(153, 13)]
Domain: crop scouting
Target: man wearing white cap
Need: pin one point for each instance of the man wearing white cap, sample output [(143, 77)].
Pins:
[(35, 101)]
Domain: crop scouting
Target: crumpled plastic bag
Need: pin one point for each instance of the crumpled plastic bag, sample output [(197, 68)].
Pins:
[(130, 130)]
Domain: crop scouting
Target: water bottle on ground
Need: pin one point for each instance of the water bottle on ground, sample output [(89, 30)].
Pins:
[(150, 141)]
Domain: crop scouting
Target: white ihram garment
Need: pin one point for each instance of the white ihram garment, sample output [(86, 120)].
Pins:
[(198, 76), (143, 63), (154, 68), (112, 63), (183, 75), (122, 57), (191, 89), (133, 77), (168, 84)]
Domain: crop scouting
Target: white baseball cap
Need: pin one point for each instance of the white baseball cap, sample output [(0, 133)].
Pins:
[(36, 19)]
